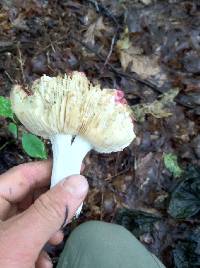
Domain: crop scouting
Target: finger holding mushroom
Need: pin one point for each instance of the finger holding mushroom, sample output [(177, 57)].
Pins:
[(76, 116)]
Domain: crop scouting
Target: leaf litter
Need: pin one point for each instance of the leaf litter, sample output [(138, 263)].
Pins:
[(149, 49), (157, 108), (132, 57)]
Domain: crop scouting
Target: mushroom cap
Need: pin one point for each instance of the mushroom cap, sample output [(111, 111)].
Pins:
[(73, 105)]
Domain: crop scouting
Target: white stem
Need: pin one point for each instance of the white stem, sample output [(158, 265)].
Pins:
[(67, 156)]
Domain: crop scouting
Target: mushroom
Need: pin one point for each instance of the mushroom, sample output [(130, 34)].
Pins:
[(76, 116)]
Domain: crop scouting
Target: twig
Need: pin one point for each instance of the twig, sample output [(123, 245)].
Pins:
[(9, 77), (21, 63), (111, 49), (105, 11), (4, 145), (89, 48), (132, 76), (118, 174)]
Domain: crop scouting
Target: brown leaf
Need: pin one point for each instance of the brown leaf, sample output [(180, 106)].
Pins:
[(95, 30), (132, 56), (19, 23)]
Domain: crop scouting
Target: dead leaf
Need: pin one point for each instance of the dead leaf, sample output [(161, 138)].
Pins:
[(146, 2), (132, 56), (158, 108), (4, 21), (95, 30), (19, 23), (90, 17)]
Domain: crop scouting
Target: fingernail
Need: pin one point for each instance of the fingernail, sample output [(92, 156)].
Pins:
[(76, 185)]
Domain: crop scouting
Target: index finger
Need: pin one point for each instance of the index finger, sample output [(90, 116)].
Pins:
[(16, 183)]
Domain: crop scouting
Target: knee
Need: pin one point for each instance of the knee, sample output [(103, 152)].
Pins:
[(91, 226), (98, 231), (96, 226)]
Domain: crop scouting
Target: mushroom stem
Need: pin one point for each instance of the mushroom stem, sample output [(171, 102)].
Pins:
[(67, 156)]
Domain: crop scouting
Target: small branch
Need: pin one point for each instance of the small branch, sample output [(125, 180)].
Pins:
[(89, 48), (4, 145), (132, 76), (100, 8), (9, 77), (111, 49), (21, 64)]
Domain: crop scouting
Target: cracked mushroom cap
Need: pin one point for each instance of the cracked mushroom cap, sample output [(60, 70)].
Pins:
[(72, 105)]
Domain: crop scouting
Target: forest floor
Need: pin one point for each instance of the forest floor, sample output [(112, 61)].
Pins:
[(151, 50)]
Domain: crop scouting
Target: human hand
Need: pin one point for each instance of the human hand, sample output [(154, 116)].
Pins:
[(29, 217)]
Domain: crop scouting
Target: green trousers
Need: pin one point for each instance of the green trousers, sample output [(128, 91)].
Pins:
[(104, 245)]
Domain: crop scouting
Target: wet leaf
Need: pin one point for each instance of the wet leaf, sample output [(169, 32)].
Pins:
[(158, 108), (12, 127), (5, 108), (138, 222), (191, 62), (187, 252), (33, 146), (171, 163), (196, 145), (185, 199)]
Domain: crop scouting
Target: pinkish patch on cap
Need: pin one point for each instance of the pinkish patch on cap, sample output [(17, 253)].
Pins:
[(82, 73), (119, 97)]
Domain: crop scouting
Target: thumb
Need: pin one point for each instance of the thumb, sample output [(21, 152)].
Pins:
[(34, 227)]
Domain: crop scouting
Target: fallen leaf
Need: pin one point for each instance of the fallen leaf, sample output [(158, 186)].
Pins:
[(158, 108), (20, 24), (187, 251), (171, 163), (94, 30), (185, 200), (132, 56), (136, 221), (146, 2)]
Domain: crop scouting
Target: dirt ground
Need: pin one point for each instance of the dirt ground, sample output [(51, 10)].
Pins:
[(145, 48)]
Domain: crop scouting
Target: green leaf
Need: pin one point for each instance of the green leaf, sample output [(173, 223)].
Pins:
[(5, 108), (12, 127), (185, 199), (171, 163), (33, 146)]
